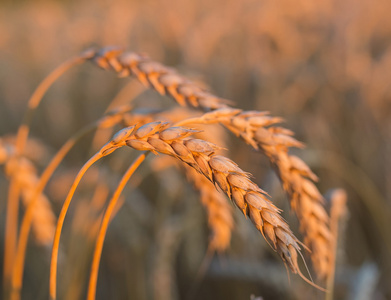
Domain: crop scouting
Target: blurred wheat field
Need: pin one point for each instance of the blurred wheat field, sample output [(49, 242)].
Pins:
[(323, 67)]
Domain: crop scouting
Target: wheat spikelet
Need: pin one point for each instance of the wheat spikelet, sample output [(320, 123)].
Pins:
[(234, 182)]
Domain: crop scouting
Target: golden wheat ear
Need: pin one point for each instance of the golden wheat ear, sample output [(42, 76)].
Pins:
[(249, 197)]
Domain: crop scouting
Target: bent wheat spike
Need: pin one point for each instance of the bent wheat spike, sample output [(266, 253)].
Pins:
[(201, 156), (305, 199), (258, 129)]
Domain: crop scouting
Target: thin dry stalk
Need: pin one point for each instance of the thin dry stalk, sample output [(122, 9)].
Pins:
[(295, 175), (23, 131), (11, 229), (109, 120), (25, 177), (117, 142), (105, 223), (235, 183), (60, 223), (338, 211)]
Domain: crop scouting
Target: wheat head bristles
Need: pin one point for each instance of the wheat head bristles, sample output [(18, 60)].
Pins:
[(223, 172), (296, 177), (219, 211)]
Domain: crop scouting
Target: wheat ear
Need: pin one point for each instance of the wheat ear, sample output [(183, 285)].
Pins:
[(295, 175), (163, 79), (223, 172), (259, 130)]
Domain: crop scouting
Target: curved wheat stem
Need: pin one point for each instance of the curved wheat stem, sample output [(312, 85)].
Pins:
[(60, 222), (11, 226), (23, 131), (338, 210), (117, 142), (108, 120), (105, 223)]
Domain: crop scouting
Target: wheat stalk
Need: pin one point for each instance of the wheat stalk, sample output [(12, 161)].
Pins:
[(34, 206), (22, 135), (25, 177), (295, 175), (105, 223), (338, 210)]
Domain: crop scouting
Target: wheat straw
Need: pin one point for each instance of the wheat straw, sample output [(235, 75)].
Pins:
[(110, 119), (338, 210), (117, 142), (105, 223), (23, 131)]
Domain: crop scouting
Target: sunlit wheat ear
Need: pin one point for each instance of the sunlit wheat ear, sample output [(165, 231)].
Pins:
[(105, 223), (295, 175), (117, 142), (259, 130), (109, 120), (232, 180), (163, 79)]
